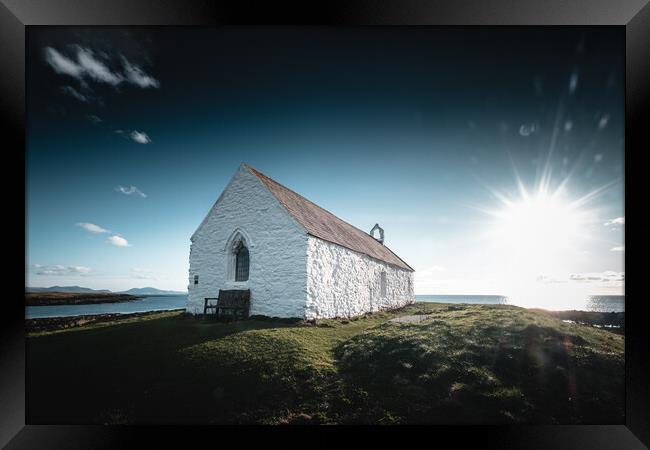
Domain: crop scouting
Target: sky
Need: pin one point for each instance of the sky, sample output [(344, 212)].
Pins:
[(492, 157)]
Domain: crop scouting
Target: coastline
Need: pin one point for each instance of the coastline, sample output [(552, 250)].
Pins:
[(70, 298), (52, 324), (612, 321)]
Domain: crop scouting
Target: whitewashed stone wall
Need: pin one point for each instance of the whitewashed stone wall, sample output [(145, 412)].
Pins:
[(344, 283), (277, 249)]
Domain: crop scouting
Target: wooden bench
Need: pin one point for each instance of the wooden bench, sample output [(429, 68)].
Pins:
[(233, 303)]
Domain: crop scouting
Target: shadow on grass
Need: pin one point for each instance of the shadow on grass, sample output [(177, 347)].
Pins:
[(462, 371), (467, 364), (124, 373)]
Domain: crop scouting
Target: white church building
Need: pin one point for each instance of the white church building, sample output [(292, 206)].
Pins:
[(295, 258)]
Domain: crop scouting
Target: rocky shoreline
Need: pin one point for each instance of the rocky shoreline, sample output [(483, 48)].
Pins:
[(611, 321), (63, 323), (73, 298)]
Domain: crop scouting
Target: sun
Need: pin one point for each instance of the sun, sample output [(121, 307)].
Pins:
[(536, 239), (538, 225)]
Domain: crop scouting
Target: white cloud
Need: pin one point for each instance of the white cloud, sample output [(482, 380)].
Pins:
[(60, 270), (607, 276), (94, 119), (95, 67), (615, 222), (72, 92), (140, 137), (618, 249), (118, 241), (52, 270), (136, 136), (62, 64), (598, 157), (131, 190), (136, 75), (86, 66), (115, 239), (92, 227)]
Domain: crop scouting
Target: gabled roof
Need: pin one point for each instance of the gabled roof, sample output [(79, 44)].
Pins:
[(324, 225)]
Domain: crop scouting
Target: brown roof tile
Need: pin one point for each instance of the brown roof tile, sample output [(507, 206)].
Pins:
[(324, 225)]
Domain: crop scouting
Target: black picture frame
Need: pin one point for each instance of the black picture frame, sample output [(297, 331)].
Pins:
[(634, 15)]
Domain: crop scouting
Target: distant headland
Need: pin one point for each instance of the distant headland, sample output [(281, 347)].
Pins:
[(77, 295)]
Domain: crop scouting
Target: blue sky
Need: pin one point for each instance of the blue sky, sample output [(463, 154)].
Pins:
[(136, 131)]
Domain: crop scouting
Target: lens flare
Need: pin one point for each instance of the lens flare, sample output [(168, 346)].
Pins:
[(538, 238)]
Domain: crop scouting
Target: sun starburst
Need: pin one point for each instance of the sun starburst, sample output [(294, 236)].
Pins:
[(538, 235)]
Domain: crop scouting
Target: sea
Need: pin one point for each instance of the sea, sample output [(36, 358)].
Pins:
[(601, 303), (154, 303), (594, 303)]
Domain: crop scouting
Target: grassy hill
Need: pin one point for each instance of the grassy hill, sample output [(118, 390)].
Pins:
[(436, 364)]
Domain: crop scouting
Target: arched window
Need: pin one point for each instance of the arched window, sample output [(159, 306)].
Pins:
[(241, 262)]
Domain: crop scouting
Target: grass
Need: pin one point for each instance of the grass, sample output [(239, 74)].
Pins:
[(475, 364)]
